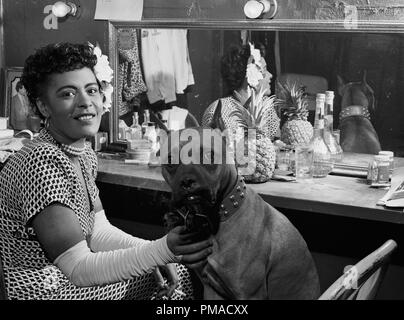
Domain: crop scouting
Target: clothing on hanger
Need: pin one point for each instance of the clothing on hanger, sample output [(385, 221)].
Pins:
[(130, 81), (166, 64)]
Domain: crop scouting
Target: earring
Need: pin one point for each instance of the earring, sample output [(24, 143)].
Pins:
[(46, 122)]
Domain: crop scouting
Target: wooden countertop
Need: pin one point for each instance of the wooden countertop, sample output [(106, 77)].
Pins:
[(334, 195)]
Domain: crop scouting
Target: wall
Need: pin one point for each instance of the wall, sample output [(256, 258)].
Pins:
[(1, 36), (24, 30), (367, 10)]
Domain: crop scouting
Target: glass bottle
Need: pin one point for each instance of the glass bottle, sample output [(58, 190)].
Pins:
[(320, 99), (322, 160), (329, 111), (122, 129), (146, 121), (383, 169), (135, 130), (389, 154), (151, 133), (330, 139), (151, 136)]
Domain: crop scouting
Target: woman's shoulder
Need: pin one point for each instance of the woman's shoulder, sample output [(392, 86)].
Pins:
[(226, 101), (36, 151)]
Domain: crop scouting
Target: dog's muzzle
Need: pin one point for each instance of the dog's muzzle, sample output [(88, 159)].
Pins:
[(196, 213)]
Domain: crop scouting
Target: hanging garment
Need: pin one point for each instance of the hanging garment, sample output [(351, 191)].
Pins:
[(175, 117), (166, 64), (130, 83)]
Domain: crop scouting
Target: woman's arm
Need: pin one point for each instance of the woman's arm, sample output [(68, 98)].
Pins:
[(58, 229), (59, 232), (106, 237)]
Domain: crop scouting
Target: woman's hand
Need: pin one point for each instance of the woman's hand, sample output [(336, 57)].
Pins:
[(182, 243), (167, 280)]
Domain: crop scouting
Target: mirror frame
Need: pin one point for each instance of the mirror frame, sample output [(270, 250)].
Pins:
[(379, 26)]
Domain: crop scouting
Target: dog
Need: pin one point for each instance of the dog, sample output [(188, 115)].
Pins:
[(257, 253), (356, 129)]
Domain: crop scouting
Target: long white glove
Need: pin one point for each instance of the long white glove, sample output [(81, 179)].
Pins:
[(85, 268), (106, 237)]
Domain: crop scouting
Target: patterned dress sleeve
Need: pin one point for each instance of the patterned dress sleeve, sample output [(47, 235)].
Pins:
[(45, 179), (208, 114)]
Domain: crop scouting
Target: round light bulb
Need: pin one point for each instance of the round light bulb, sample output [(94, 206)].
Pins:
[(253, 9), (61, 9)]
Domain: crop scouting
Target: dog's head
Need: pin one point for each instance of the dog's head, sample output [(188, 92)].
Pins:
[(199, 170)]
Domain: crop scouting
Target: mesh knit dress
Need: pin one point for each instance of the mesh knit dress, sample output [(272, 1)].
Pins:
[(36, 176)]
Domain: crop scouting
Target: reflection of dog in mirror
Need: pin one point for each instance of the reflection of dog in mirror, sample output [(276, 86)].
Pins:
[(357, 106), (257, 252)]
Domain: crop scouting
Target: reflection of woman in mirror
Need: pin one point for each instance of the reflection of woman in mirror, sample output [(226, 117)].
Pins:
[(19, 109), (234, 73)]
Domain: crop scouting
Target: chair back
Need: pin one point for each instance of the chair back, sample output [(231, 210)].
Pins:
[(313, 84), (362, 281)]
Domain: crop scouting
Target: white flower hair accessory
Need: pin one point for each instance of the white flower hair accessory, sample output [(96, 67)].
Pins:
[(253, 73), (104, 74)]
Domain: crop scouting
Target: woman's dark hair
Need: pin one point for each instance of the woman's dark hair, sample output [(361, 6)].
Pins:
[(234, 66), (51, 59)]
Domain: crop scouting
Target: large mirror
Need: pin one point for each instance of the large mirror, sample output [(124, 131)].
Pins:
[(320, 60)]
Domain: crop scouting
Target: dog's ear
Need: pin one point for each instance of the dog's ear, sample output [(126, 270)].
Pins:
[(364, 80), (217, 120), (341, 84), (370, 94), (364, 83)]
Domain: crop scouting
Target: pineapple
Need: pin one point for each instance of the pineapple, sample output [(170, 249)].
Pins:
[(297, 130), (256, 117)]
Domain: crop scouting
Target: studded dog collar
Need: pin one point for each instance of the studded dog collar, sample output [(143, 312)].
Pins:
[(233, 200), (354, 111)]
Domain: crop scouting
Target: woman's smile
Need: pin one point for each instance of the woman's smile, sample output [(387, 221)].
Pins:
[(86, 117)]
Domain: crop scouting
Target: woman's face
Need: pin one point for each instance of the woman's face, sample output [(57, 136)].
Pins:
[(265, 83), (73, 102)]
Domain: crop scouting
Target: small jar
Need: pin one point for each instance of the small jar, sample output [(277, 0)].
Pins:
[(383, 169), (389, 154)]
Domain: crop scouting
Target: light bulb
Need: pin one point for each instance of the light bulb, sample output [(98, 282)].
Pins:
[(61, 9), (253, 9)]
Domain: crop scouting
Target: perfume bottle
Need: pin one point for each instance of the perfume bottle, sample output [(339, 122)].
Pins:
[(135, 130), (322, 159)]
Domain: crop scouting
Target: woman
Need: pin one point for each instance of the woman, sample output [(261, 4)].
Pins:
[(55, 240), (234, 73)]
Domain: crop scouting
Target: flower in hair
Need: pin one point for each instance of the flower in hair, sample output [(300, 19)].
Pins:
[(104, 74), (253, 73), (256, 54)]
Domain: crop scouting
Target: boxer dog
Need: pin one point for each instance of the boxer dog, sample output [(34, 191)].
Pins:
[(257, 253), (357, 104)]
